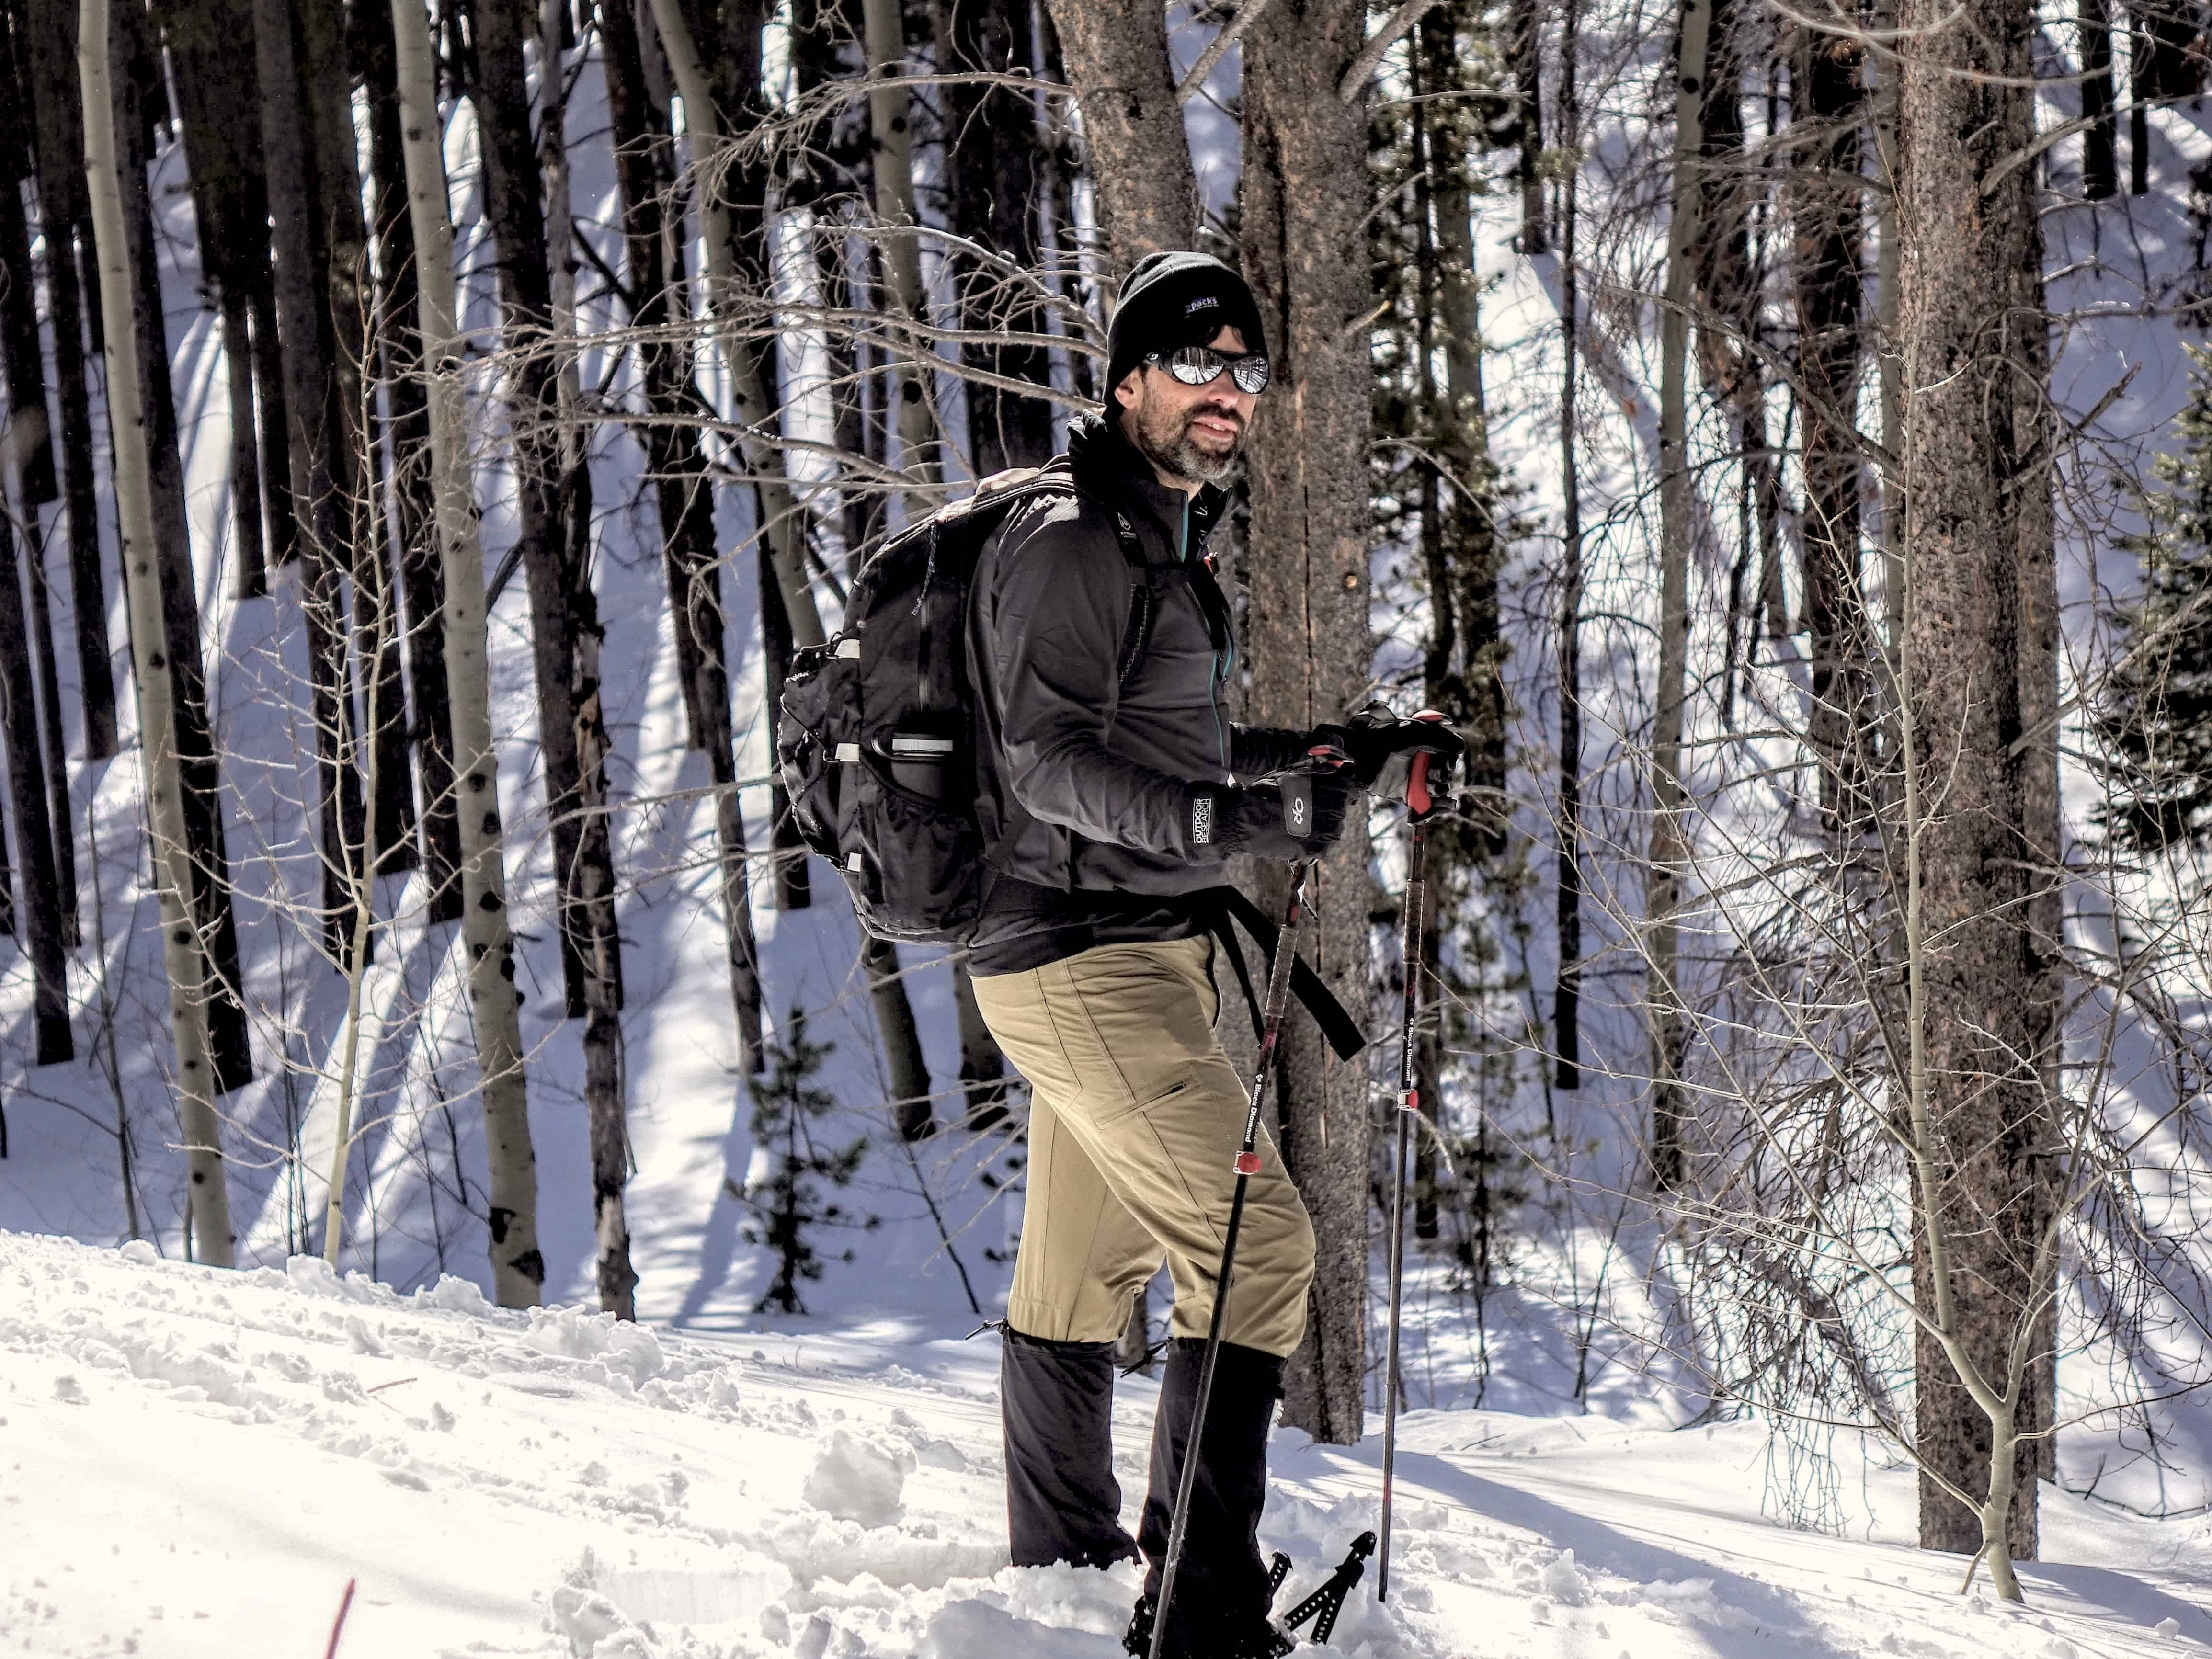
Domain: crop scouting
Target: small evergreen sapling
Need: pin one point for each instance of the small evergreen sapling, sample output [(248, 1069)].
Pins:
[(789, 1182), (2155, 717)]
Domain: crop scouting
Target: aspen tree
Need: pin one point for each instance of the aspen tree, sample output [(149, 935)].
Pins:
[(518, 1270), (182, 955)]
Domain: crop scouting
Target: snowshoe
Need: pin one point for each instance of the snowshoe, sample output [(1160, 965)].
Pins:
[(1201, 1638), (1263, 1639)]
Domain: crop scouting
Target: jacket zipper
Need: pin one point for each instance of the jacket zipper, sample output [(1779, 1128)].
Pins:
[(1220, 662)]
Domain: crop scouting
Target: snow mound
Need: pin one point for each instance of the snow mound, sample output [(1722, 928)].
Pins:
[(858, 1477)]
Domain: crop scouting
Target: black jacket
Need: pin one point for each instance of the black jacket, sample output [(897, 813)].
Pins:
[(1082, 779)]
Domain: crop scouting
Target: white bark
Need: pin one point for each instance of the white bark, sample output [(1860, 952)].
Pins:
[(182, 952), (518, 1270)]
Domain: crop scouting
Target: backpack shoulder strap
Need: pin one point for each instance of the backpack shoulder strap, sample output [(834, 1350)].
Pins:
[(1003, 490), (1144, 598)]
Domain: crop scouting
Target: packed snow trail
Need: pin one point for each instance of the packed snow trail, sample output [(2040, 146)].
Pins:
[(193, 1464)]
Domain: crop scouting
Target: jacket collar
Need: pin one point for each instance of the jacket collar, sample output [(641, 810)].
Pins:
[(1107, 465)]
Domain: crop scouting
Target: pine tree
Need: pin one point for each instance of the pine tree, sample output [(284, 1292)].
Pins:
[(2156, 716), (788, 1189)]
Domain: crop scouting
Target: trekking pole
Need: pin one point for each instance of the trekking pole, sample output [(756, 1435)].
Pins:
[(1298, 810), (1419, 803)]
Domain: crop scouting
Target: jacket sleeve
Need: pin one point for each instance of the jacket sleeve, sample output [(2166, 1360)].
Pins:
[(1261, 751), (1058, 607)]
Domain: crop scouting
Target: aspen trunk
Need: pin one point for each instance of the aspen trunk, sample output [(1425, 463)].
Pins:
[(518, 1270), (1980, 669), (1306, 194), (594, 892), (1117, 61), (209, 1214), (408, 476)]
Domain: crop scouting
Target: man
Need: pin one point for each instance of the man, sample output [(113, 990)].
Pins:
[(1114, 787)]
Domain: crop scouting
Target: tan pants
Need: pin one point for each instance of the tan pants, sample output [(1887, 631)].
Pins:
[(1135, 1119)]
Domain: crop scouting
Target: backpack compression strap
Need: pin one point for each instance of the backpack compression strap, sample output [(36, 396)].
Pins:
[(1217, 906)]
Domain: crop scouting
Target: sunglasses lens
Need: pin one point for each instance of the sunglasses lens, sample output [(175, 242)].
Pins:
[(1195, 365), (1250, 374)]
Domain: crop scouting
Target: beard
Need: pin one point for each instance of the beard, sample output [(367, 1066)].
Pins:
[(1163, 436)]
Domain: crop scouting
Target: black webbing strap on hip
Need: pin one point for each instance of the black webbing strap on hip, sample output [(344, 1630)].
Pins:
[(1218, 907)]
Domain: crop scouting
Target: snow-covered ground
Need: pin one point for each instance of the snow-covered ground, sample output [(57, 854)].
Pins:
[(195, 1464)]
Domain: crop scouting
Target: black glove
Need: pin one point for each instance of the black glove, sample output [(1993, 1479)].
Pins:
[(1375, 737), (1226, 820)]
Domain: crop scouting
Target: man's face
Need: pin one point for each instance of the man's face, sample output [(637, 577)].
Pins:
[(1191, 434)]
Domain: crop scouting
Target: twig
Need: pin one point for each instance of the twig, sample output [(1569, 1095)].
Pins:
[(1218, 48), (1381, 41), (337, 1626)]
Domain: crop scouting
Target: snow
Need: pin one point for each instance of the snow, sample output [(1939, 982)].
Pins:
[(195, 1464)]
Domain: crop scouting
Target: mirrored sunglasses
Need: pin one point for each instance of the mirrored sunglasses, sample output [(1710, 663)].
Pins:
[(1202, 366)]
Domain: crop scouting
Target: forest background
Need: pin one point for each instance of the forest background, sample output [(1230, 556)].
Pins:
[(1771, 432)]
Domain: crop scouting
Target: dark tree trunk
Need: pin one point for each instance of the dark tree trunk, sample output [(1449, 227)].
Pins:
[(2100, 161), (525, 291), (1526, 44), (1831, 344), (1981, 683), (407, 475), (1124, 80), (994, 158), (28, 441), (643, 170), (1566, 996), (27, 796), (136, 81), (214, 82), (63, 213), (1305, 203), (327, 57), (322, 473), (792, 891)]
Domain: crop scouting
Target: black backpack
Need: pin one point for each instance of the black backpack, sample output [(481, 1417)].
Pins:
[(878, 730)]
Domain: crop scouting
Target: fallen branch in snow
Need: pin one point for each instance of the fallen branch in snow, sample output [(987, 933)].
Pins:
[(337, 1625)]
